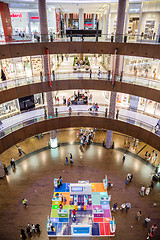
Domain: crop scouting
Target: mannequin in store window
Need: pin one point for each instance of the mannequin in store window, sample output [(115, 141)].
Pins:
[(3, 77)]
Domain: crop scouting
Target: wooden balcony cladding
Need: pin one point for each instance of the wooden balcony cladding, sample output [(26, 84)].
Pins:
[(26, 90), (32, 49), (79, 121)]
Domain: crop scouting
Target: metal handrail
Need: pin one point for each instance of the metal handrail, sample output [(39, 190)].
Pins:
[(151, 83), (29, 121), (30, 38)]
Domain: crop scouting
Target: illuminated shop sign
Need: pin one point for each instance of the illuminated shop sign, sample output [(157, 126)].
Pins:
[(34, 17), (16, 15), (134, 7)]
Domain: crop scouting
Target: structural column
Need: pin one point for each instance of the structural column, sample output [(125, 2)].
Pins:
[(119, 33), (81, 18), (44, 38), (6, 21), (107, 20), (140, 21), (93, 21), (66, 21)]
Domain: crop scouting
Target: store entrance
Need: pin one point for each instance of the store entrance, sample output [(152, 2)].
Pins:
[(133, 26), (34, 27)]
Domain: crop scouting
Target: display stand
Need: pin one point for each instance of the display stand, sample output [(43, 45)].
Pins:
[(85, 212)]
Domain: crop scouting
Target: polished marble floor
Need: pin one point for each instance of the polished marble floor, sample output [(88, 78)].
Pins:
[(33, 180)]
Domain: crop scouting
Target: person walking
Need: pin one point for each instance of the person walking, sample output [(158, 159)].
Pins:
[(124, 157), (19, 151), (152, 154), (146, 221), (90, 73), (61, 195), (142, 191), (128, 206), (71, 159), (152, 184), (5, 169), (131, 177), (37, 227), (60, 179), (146, 155), (33, 229), (155, 158), (53, 74), (12, 162), (123, 205), (28, 229), (139, 215), (58, 183), (115, 207), (99, 72), (23, 235), (24, 202), (66, 163), (147, 190)]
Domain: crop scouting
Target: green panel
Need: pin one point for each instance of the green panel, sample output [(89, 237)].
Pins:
[(65, 206), (54, 213), (55, 206), (63, 215), (71, 206)]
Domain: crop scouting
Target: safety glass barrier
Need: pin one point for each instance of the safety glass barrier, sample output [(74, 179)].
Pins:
[(4, 85), (79, 112), (33, 38)]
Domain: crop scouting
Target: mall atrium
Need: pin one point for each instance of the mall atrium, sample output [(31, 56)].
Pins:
[(80, 119)]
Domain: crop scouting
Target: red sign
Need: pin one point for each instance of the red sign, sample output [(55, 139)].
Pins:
[(34, 17), (16, 15)]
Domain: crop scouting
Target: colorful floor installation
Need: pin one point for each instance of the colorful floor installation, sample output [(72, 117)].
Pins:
[(92, 215)]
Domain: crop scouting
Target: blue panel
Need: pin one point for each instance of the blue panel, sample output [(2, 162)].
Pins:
[(51, 233), (81, 230), (58, 227), (63, 220), (61, 188), (95, 229), (67, 187), (54, 220)]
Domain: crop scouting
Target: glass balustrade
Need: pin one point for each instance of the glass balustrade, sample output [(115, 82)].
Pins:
[(79, 112), (4, 85), (33, 38)]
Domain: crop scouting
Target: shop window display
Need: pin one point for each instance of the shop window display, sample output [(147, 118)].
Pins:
[(36, 65), (149, 29), (9, 108), (133, 25)]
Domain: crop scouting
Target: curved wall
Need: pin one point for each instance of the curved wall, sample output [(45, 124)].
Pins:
[(26, 90), (32, 49), (79, 121)]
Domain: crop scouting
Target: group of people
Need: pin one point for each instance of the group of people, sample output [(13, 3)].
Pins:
[(127, 144), (151, 156), (123, 207), (146, 190), (85, 136), (94, 107), (71, 160), (31, 230)]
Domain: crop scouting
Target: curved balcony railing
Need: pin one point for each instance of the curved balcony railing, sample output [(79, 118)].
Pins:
[(142, 81), (79, 112), (32, 38)]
